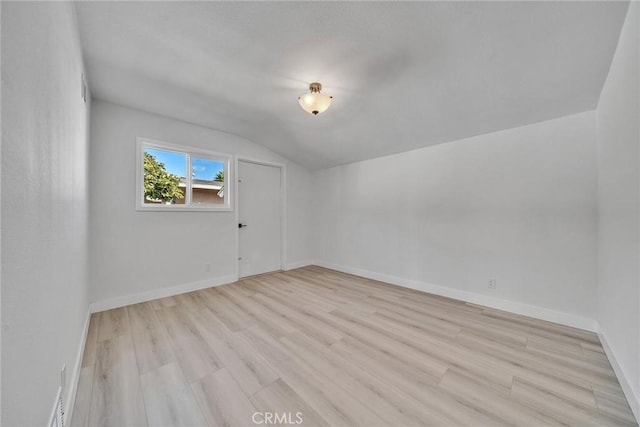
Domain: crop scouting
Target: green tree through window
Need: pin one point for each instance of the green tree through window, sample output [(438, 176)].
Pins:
[(159, 185)]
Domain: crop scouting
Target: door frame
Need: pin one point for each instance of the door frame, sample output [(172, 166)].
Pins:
[(283, 207)]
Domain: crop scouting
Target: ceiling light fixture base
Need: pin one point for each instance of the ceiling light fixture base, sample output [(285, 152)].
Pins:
[(315, 102)]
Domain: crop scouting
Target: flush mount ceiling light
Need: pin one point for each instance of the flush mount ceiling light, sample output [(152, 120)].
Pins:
[(315, 102)]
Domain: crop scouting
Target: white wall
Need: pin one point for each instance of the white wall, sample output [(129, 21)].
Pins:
[(136, 252), (516, 205), (618, 116), (44, 207)]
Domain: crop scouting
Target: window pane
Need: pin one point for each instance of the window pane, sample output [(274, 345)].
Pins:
[(207, 181), (164, 176)]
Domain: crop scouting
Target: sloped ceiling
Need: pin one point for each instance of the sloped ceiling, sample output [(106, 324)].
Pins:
[(403, 75)]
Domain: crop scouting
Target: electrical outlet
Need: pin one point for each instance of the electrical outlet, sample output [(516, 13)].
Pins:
[(492, 283), (63, 376), (207, 268)]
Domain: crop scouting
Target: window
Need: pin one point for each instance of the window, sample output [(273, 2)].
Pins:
[(172, 177)]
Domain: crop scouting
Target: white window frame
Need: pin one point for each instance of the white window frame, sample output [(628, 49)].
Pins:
[(190, 152)]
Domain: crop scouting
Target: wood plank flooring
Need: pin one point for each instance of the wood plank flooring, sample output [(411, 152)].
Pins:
[(336, 349)]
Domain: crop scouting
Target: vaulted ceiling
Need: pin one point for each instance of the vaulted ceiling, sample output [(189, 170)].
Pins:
[(403, 75)]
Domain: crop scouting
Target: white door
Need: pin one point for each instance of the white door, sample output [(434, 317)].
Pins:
[(259, 213)]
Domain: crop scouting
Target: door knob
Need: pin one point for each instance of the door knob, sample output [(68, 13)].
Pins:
[(242, 225)]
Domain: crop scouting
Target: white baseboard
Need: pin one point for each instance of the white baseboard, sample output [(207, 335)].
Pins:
[(297, 264), (474, 298), (123, 301), (75, 378), (632, 398)]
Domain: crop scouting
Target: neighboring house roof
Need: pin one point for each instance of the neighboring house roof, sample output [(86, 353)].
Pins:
[(201, 183)]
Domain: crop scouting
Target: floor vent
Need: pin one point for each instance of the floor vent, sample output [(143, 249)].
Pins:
[(57, 416)]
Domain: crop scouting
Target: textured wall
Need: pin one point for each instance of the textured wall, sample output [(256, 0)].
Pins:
[(44, 207), (516, 205), (133, 251), (618, 205)]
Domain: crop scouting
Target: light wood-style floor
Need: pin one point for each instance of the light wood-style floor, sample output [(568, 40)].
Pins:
[(343, 351)]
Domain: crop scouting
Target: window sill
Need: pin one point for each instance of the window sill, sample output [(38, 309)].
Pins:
[(174, 208)]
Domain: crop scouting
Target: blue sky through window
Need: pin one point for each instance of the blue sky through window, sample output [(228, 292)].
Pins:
[(206, 169), (176, 163)]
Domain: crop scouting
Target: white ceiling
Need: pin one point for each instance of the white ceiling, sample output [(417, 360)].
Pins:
[(403, 75)]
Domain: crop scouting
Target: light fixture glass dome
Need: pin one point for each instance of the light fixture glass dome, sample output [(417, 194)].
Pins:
[(315, 102)]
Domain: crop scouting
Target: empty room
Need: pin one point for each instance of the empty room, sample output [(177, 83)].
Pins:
[(322, 213)]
